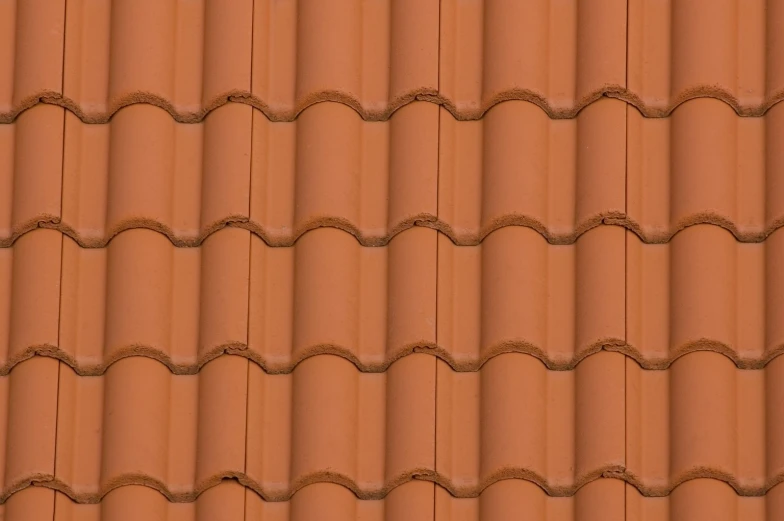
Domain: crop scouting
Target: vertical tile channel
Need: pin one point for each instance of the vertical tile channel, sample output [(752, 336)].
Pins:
[(62, 248), (438, 243), (626, 264), (250, 258)]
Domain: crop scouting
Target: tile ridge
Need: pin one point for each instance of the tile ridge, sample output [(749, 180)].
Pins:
[(424, 94), (427, 220), (325, 476), (422, 347)]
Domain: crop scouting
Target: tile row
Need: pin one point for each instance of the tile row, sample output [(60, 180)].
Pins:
[(602, 500), (141, 296), (181, 435), (189, 57), (373, 433), (515, 167)]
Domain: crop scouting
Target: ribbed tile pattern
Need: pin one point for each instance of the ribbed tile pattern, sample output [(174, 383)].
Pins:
[(190, 57), (140, 295), (571, 307), (704, 164), (516, 419), (391, 260), (186, 181), (139, 424), (516, 166), (732, 50), (600, 500), (228, 501), (704, 500), (558, 55), (704, 290), (705, 418)]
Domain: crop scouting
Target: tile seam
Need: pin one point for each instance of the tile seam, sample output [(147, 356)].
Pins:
[(250, 262), (62, 253), (420, 95), (626, 273), (273, 240), (439, 352), (438, 249), (606, 472)]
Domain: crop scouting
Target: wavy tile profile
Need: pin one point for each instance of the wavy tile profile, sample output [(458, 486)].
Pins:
[(275, 434), (413, 501), (466, 56), (704, 418), (374, 433), (602, 499), (703, 499), (140, 425), (187, 181), (705, 291), (185, 306), (515, 167), (230, 501), (276, 240), (192, 57), (606, 499), (420, 95), (141, 296)]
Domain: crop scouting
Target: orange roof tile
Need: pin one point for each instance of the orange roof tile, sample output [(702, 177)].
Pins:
[(421, 260)]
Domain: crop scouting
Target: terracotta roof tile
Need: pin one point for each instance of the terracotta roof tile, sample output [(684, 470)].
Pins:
[(456, 260), (571, 308), (704, 418), (600, 500), (704, 290), (141, 295), (516, 166), (516, 419), (703, 499), (554, 54), (465, 55), (705, 165), (727, 49), (138, 424)]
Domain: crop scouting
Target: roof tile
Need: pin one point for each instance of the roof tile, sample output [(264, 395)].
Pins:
[(391, 260), (704, 164), (555, 54), (31, 53), (572, 305), (704, 418), (704, 290), (373, 56), (181, 435), (516, 419), (29, 416), (600, 500), (728, 49), (518, 167), (702, 499), (331, 168)]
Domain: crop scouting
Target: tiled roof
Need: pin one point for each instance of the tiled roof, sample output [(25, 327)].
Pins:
[(392, 260)]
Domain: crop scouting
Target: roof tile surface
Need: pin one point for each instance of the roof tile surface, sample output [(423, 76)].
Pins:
[(456, 260)]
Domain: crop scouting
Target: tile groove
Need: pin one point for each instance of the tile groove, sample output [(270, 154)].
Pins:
[(460, 366), (423, 220), (423, 94), (516, 473)]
